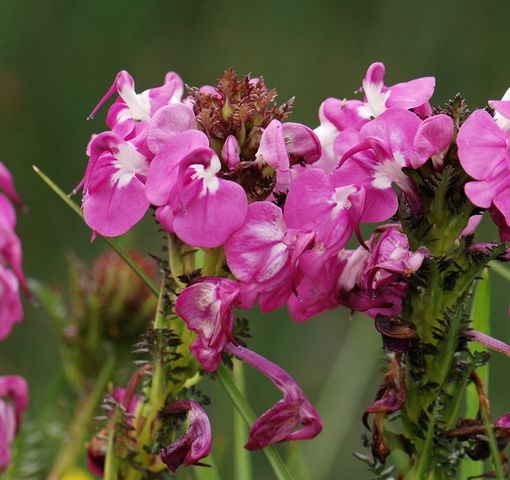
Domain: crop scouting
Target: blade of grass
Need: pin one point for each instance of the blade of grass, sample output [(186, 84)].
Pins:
[(242, 458), (225, 377), (245, 410), (480, 313), (111, 242), (341, 401), (502, 271)]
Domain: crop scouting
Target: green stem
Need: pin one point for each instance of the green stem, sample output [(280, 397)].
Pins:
[(80, 424), (245, 410), (242, 459), (111, 463)]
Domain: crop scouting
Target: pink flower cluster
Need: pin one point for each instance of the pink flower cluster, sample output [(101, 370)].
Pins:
[(13, 389), (11, 272), (222, 168)]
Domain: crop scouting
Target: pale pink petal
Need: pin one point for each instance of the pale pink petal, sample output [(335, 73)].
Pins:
[(167, 122), (433, 137), (482, 145), (411, 94)]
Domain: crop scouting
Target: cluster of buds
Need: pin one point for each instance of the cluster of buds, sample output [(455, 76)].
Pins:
[(273, 205)]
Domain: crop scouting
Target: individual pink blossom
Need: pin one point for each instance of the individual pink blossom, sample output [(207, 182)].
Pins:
[(488, 341), (278, 141), (264, 254), (114, 197), (335, 116), (10, 244), (432, 140), (195, 444), (374, 281), (405, 95), (291, 418), (206, 307), (327, 206), (11, 310), (484, 154), (13, 402), (131, 107), (317, 293), (382, 148), (7, 185), (231, 152), (194, 202)]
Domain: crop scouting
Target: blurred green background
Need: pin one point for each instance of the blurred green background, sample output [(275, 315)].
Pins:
[(58, 57)]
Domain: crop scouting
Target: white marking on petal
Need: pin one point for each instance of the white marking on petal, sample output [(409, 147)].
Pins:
[(389, 171), (128, 162), (340, 199), (503, 122), (376, 100), (210, 183), (139, 105)]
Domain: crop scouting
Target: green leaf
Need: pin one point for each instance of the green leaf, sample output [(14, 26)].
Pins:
[(245, 410)]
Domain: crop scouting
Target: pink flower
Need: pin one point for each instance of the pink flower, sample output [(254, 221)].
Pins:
[(406, 95), (7, 185), (195, 444), (373, 281), (206, 307), (183, 180), (263, 255), (11, 310), (484, 153), (114, 184), (13, 402), (291, 418), (131, 107), (10, 244), (326, 205), (278, 141)]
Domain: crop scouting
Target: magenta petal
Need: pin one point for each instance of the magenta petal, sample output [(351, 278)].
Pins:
[(480, 193), (482, 145), (112, 210), (256, 252), (15, 389), (292, 418), (433, 137), (167, 122), (196, 442), (210, 219), (162, 173), (302, 141), (230, 152), (395, 128), (7, 185), (411, 94), (308, 199), (11, 310), (272, 149), (502, 107), (375, 73)]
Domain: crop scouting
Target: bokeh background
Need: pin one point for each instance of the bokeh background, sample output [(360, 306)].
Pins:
[(57, 57)]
